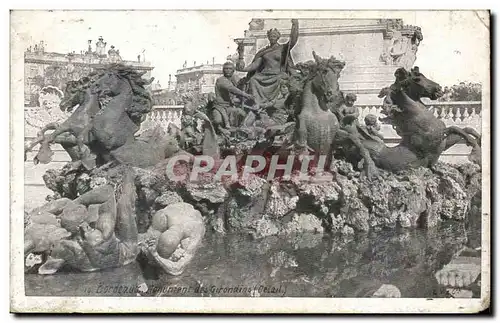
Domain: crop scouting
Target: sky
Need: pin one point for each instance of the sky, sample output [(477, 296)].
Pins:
[(454, 48)]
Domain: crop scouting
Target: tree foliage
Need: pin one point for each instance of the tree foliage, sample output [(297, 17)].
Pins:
[(462, 92)]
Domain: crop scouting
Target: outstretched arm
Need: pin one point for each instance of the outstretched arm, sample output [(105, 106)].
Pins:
[(227, 85), (98, 259), (171, 267), (356, 113), (378, 134), (98, 195), (252, 67), (294, 33), (174, 268), (189, 246)]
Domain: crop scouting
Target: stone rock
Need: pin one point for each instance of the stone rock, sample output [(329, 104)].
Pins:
[(59, 182), (214, 193), (387, 291), (147, 196), (347, 230), (356, 213), (343, 168), (418, 197), (305, 240), (147, 178), (252, 186), (301, 223), (321, 193), (337, 222), (282, 259), (345, 204), (281, 200), (166, 199), (73, 216), (264, 227), (41, 236), (449, 171)]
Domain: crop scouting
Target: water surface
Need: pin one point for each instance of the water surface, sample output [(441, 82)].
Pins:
[(310, 265)]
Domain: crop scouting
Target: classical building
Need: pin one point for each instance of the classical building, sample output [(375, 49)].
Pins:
[(371, 48), (43, 68), (198, 78), (165, 95)]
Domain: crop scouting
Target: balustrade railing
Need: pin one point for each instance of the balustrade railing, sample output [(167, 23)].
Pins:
[(163, 115), (461, 114), (452, 113)]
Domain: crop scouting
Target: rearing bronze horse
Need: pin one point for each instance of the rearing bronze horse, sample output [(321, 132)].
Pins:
[(112, 104), (72, 132), (424, 137)]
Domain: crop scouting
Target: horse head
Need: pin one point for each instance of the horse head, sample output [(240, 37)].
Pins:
[(74, 95), (124, 88), (416, 85), (109, 83), (324, 79)]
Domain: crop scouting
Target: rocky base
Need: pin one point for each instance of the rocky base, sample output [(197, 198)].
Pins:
[(347, 203)]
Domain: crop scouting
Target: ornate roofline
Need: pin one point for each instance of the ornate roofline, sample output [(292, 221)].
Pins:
[(385, 26)]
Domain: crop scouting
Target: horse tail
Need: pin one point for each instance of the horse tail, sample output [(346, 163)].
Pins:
[(210, 146)]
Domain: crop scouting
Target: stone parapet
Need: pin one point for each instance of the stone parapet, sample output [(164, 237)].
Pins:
[(76, 59)]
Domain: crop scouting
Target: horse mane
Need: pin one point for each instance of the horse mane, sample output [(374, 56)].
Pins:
[(306, 71), (404, 78), (80, 85), (142, 101)]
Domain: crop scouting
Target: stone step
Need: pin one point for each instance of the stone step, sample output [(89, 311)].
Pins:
[(363, 87), (369, 69), (355, 78), (364, 77)]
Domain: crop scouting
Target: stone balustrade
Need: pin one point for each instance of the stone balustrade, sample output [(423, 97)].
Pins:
[(462, 114), (163, 115), (458, 113)]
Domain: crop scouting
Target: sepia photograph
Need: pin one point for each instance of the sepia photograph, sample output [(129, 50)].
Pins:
[(250, 161)]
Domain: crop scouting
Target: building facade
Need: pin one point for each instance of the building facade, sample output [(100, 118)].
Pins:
[(165, 95), (43, 68), (198, 78)]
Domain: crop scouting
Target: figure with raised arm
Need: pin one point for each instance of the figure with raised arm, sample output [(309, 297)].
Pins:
[(270, 65)]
